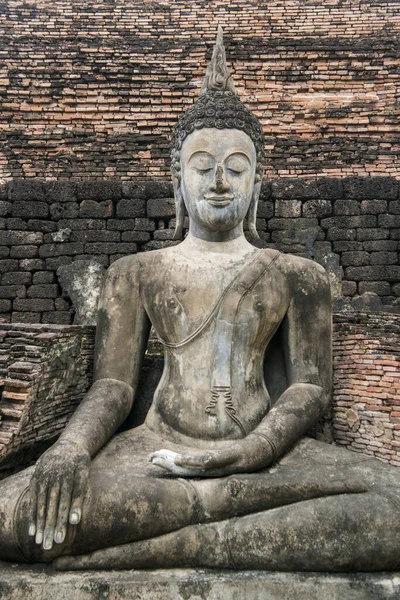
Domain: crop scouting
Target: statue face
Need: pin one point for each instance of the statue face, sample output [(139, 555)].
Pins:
[(218, 169)]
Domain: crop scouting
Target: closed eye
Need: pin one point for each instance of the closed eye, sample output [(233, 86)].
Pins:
[(235, 171)]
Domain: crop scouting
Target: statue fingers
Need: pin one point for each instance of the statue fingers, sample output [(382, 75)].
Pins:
[(198, 461), (33, 502), (78, 492), (63, 510), (42, 492), (51, 515)]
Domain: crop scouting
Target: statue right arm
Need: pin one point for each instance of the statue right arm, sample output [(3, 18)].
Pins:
[(61, 474)]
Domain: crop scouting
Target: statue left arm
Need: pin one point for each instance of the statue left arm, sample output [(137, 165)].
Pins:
[(307, 332)]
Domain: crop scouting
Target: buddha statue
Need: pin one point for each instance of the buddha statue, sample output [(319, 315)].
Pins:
[(221, 474)]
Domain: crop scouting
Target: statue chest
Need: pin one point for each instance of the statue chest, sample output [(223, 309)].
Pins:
[(190, 305)]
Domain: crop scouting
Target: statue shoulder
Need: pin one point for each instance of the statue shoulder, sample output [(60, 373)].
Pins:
[(308, 274)]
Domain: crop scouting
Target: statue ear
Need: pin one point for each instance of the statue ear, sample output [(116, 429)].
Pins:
[(180, 207), (252, 212)]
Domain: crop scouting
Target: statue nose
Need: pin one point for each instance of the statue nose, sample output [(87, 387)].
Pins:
[(219, 183)]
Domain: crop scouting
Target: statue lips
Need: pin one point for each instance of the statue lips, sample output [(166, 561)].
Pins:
[(219, 201)]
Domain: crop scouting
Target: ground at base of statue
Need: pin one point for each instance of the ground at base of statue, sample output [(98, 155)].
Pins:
[(20, 582)]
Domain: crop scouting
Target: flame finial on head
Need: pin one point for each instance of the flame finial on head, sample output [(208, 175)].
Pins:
[(218, 77)]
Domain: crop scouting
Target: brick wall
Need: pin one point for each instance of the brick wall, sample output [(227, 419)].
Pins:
[(350, 225), (92, 88), (45, 372), (366, 384)]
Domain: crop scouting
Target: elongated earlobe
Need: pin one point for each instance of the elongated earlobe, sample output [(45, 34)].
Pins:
[(180, 209), (252, 212)]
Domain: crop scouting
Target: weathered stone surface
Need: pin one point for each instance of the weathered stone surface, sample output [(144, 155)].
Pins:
[(42, 583), (99, 190), (81, 281), (94, 209)]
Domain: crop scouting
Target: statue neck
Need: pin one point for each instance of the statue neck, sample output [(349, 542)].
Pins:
[(231, 249), (205, 234)]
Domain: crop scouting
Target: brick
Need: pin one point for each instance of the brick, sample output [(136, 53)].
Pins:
[(131, 208), (95, 236), (30, 210), (394, 207), (345, 246), (25, 317), (317, 208), (82, 224), (102, 259), (354, 258), (347, 207), (133, 190), (265, 191), (60, 191), (61, 249), (382, 288), (121, 224), (5, 306), (62, 304), (66, 210), (287, 208), (265, 209), (354, 221), (24, 251), (127, 248), (52, 264), (373, 234), (4, 251), (21, 190), (373, 207), (16, 224), (349, 288), (384, 258), (8, 264), (32, 264), (57, 317), (330, 188), (3, 191), (366, 188), (5, 208), (96, 210), (373, 273), (337, 233), (33, 305), (380, 245), (43, 226), (164, 234), (19, 277), (135, 236), (14, 238), (99, 190), (43, 291), (292, 224), (101, 248), (389, 220), (158, 189), (289, 188), (12, 291), (160, 208)]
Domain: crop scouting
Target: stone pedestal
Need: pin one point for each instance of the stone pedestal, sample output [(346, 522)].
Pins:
[(43, 583)]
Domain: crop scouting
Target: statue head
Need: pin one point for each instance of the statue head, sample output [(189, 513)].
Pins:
[(217, 152)]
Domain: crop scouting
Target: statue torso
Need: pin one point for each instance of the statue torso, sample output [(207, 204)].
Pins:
[(212, 387)]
